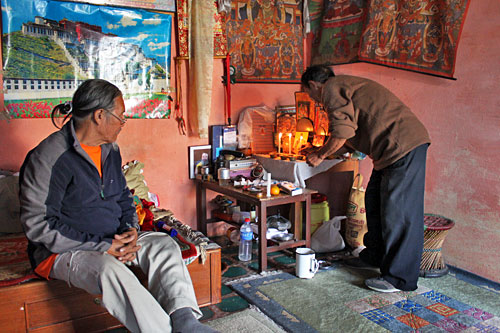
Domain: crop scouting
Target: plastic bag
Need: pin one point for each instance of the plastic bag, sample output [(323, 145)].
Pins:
[(327, 237), (245, 123)]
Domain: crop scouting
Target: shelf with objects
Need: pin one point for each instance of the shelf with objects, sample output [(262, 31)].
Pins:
[(300, 216)]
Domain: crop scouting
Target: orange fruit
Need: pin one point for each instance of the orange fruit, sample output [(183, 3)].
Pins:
[(275, 190)]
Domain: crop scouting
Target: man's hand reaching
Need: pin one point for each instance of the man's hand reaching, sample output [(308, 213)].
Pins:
[(124, 246), (313, 159)]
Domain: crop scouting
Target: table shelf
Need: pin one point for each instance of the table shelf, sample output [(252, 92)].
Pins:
[(301, 206)]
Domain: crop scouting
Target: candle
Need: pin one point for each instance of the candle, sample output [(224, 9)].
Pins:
[(279, 142), (300, 143), (268, 184), (289, 143)]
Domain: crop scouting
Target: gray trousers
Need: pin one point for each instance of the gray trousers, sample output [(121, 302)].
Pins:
[(139, 309)]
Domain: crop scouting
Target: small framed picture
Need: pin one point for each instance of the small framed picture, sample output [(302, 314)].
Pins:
[(198, 156), (304, 105)]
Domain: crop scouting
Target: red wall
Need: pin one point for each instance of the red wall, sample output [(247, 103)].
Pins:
[(462, 117)]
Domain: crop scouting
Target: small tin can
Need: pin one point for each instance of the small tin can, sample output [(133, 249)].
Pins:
[(224, 177)]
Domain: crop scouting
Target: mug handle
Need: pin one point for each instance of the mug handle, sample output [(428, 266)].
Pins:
[(315, 266)]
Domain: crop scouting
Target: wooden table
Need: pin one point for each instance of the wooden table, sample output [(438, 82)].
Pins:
[(261, 205)]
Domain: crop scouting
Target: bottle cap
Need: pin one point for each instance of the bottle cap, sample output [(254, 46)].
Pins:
[(247, 220)]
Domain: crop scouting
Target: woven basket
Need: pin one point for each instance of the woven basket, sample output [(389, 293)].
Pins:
[(436, 229)]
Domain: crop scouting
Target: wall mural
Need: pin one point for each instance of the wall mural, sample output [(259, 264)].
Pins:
[(50, 47), (265, 40), (418, 35), (336, 27)]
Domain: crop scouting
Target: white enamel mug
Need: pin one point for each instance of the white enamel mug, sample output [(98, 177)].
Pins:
[(306, 263)]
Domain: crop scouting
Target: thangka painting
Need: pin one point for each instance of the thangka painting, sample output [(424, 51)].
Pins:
[(265, 40), (419, 35), (51, 47), (336, 26), (220, 40)]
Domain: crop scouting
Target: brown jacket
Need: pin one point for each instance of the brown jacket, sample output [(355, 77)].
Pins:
[(372, 119)]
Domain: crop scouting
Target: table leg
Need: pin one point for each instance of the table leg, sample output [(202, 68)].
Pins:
[(201, 207), (262, 237), (307, 220), (297, 214)]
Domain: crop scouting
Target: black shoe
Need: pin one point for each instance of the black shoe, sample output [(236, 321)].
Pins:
[(381, 285), (359, 264)]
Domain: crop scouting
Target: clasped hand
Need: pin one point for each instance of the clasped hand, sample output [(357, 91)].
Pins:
[(124, 246)]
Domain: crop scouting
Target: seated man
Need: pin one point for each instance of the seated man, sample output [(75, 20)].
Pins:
[(79, 217)]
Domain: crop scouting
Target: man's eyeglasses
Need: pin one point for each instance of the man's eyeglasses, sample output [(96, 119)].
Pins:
[(121, 120)]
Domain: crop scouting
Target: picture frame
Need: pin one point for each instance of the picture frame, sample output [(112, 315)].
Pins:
[(198, 156), (321, 122), (306, 109), (285, 123)]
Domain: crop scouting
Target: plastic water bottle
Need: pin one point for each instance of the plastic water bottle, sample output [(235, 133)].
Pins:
[(246, 235)]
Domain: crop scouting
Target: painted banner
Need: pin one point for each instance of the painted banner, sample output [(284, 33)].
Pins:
[(419, 35), (265, 40), (220, 39), (336, 27), (50, 47)]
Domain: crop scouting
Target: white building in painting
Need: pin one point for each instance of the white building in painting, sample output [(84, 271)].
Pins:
[(17, 88), (105, 55)]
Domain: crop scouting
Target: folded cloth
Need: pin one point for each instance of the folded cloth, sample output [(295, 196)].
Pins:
[(188, 250), (195, 237)]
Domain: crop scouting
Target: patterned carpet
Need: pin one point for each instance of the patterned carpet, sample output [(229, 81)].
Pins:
[(233, 269), (447, 304), (336, 300)]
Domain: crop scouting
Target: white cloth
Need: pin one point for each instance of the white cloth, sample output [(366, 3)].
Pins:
[(224, 6), (296, 172), (201, 64), (139, 309), (306, 18)]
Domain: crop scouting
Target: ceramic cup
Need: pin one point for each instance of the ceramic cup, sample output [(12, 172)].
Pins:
[(306, 263)]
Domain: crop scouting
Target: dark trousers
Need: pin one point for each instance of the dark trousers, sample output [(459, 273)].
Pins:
[(394, 202)]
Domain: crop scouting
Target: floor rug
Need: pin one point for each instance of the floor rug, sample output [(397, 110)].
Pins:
[(247, 321), (336, 300)]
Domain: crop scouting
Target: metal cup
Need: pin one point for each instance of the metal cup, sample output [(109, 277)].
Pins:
[(223, 176)]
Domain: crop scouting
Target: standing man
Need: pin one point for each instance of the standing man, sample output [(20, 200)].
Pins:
[(366, 117), (80, 220)]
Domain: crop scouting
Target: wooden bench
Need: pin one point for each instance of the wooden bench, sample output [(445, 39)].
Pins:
[(52, 306)]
